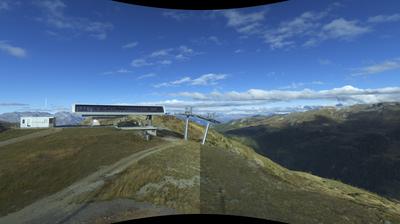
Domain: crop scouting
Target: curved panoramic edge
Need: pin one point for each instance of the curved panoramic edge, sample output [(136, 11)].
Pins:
[(200, 4), (206, 218)]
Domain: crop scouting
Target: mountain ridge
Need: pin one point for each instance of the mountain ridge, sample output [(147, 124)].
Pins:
[(358, 145)]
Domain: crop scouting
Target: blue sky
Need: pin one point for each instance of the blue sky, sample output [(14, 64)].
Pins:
[(234, 61)]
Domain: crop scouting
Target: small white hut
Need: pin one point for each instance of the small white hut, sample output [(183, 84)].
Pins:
[(37, 122)]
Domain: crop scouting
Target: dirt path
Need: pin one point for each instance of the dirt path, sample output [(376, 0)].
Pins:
[(59, 207), (30, 136)]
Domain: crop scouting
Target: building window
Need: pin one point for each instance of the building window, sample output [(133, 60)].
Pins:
[(23, 121)]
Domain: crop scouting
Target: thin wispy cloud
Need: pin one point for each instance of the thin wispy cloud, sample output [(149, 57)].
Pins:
[(204, 40), (161, 52), (13, 104), (178, 16), (145, 76), (54, 16), (8, 5), (130, 45), (140, 63), (384, 66), (343, 29), (119, 71), (287, 32), (165, 56), (237, 19), (297, 85), (245, 23), (237, 51), (203, 80), (384, 18), (4, 5), (325, 62), (214, 39), (308, 29), (12, 50), (165, 62)]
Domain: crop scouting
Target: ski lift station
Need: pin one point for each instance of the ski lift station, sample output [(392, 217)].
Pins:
[(96, 111), (37, 122)]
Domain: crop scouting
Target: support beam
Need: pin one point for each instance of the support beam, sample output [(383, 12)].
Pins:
[(186, 128), (205, 134), (149, 119)]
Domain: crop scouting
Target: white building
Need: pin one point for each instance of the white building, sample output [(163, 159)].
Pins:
[(37, 122)]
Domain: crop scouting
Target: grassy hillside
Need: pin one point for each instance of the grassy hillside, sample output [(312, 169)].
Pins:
[(35, 168), (225, 176), (15, 132), (359, 145), (5, 126)]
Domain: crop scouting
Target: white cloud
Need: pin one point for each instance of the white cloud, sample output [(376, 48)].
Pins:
[(8, 5), (237, 51), (307, 29), (324, 61), (293, 85), (160, 53), (185, 50), (257, 101), (12, 50), (208, 79), (140, 62), (145, 76), (244, 23), (214, 39), (287, 32), (179, 16), (165, 56), (344, 93), (174, 83), (54, 16), (203, 80), (343, 29), (238, 19), (297, 85), (13, 104), (165, 62), (4, 5), (384, 18), (119, 71), (203, 40), (130, 45), (379, 68), (317, 82)]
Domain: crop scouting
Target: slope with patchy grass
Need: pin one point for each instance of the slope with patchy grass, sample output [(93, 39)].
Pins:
[(16, 132), (225, 176), (38, 167), (359, 145)]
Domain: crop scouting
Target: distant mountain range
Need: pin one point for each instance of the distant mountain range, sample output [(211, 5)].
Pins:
[(62, 118), (227, 117)]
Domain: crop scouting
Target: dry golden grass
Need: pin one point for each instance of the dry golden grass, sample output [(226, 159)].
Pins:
[(169, 178), (38, 167), (16, 132)]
